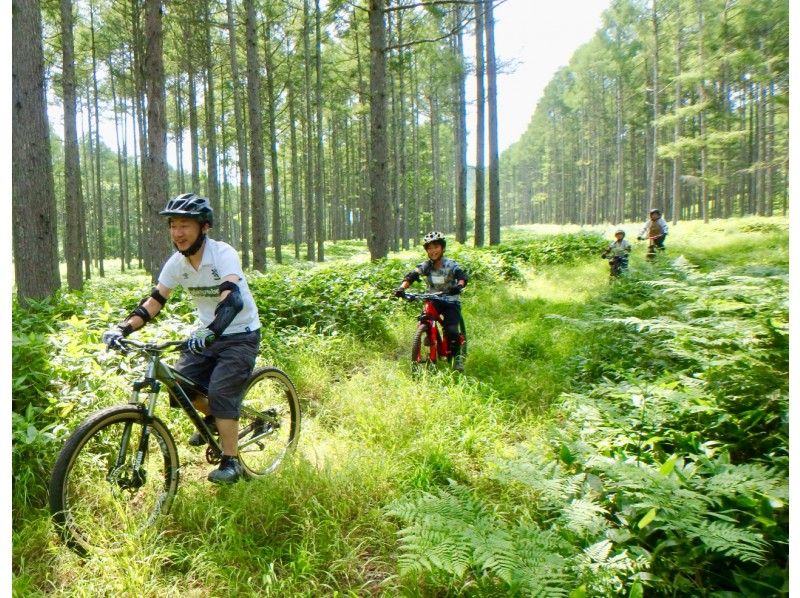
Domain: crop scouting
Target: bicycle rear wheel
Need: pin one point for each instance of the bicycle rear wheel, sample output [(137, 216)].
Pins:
[(98, 497), (269, 421)]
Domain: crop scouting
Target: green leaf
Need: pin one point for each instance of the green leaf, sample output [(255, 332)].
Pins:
[(637, 590), (668, 465), (566, 456), (647, 519)]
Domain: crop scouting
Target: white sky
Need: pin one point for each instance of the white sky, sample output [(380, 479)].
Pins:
[(540, 36)]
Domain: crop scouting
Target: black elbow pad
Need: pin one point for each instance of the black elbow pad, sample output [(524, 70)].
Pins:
[(226, 311)]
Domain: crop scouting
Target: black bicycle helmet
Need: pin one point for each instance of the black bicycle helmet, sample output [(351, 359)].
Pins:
[(190, 205), (434, 236), (655, 211)]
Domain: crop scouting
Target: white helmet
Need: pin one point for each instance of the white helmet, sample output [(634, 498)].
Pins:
[(433, 236)]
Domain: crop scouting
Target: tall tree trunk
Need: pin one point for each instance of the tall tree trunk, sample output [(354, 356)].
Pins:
[(480, 132), (194, 137), (401, 164), (273, 141), (702, 94), (256, 141), (155, 171), (309, 130), (676, 163), (379, 230), (297, 204), (434, 201), (34, 231), (179, 133), (651, 190), (494, 157), (122, 193), (460, 131), (212, 171), (241, 142), (320, 204), (98, 179), (73, 193)]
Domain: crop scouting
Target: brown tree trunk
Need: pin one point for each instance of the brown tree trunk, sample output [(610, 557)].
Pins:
[(155, 166), (494, 157), (241, 142), (33, 204), (380, 226), (212, 171), (73, 194), (320, 205), (480, 131), (256, 141), (460, 131), (273, 141)]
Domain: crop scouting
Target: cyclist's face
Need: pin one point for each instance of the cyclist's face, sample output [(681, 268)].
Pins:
[(184, 231), (619, 236), (655, 216), (434, 250)]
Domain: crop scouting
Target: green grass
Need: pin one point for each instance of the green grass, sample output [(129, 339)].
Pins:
[(374, 435)]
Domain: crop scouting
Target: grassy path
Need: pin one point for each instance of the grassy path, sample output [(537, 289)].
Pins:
[(376, 441)]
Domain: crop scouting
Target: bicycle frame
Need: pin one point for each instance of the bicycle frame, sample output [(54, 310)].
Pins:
[(431, 318), (156, 374), (433, 322)]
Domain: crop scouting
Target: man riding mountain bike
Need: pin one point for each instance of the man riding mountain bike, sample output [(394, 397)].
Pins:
[(221, 352)]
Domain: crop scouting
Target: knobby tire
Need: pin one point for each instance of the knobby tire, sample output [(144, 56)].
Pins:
[(96, 500), (269, 423)]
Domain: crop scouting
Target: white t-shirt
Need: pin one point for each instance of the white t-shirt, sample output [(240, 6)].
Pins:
[(219, 260)]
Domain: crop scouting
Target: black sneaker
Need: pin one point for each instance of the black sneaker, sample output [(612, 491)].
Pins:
[(197, 438), (230, 471)]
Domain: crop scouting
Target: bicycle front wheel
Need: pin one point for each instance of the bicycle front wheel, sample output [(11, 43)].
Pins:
[(103, 489), (269, 421), (421, 352)]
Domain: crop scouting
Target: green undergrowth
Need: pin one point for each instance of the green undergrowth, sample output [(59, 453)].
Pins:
[(606, 439)]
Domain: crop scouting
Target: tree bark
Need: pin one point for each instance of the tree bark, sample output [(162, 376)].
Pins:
[(33, 207), (256, 141), (273, 141), (380, 226), (98, 194), (318, 180), (155, 166), (212, 170), (73, 193), (460, 131), (480, 124), (309, 130), (241, 141), (494, 157)]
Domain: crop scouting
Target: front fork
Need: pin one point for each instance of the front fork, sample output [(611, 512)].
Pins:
[(138, 476)]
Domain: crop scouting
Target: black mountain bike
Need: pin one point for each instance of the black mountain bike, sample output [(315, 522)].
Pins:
[(118, 471)]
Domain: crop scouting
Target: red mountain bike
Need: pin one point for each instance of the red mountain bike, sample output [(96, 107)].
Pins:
[(429, 344)]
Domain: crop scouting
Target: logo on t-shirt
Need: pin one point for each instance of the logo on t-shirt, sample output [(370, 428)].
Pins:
[(215, 274)]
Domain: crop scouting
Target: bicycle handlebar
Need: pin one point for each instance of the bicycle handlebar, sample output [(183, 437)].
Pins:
[(423, 296), (128, 344)]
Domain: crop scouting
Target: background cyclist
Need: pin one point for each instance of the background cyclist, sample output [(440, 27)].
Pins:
[(222, 351), (619, 250), (442, 275), (655, 230)]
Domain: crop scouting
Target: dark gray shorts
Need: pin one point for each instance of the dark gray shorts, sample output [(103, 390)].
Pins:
[(223, 368)]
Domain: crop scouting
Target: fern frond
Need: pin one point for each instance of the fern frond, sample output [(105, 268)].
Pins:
[(727, 539), (751, 480), (584, 517)]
